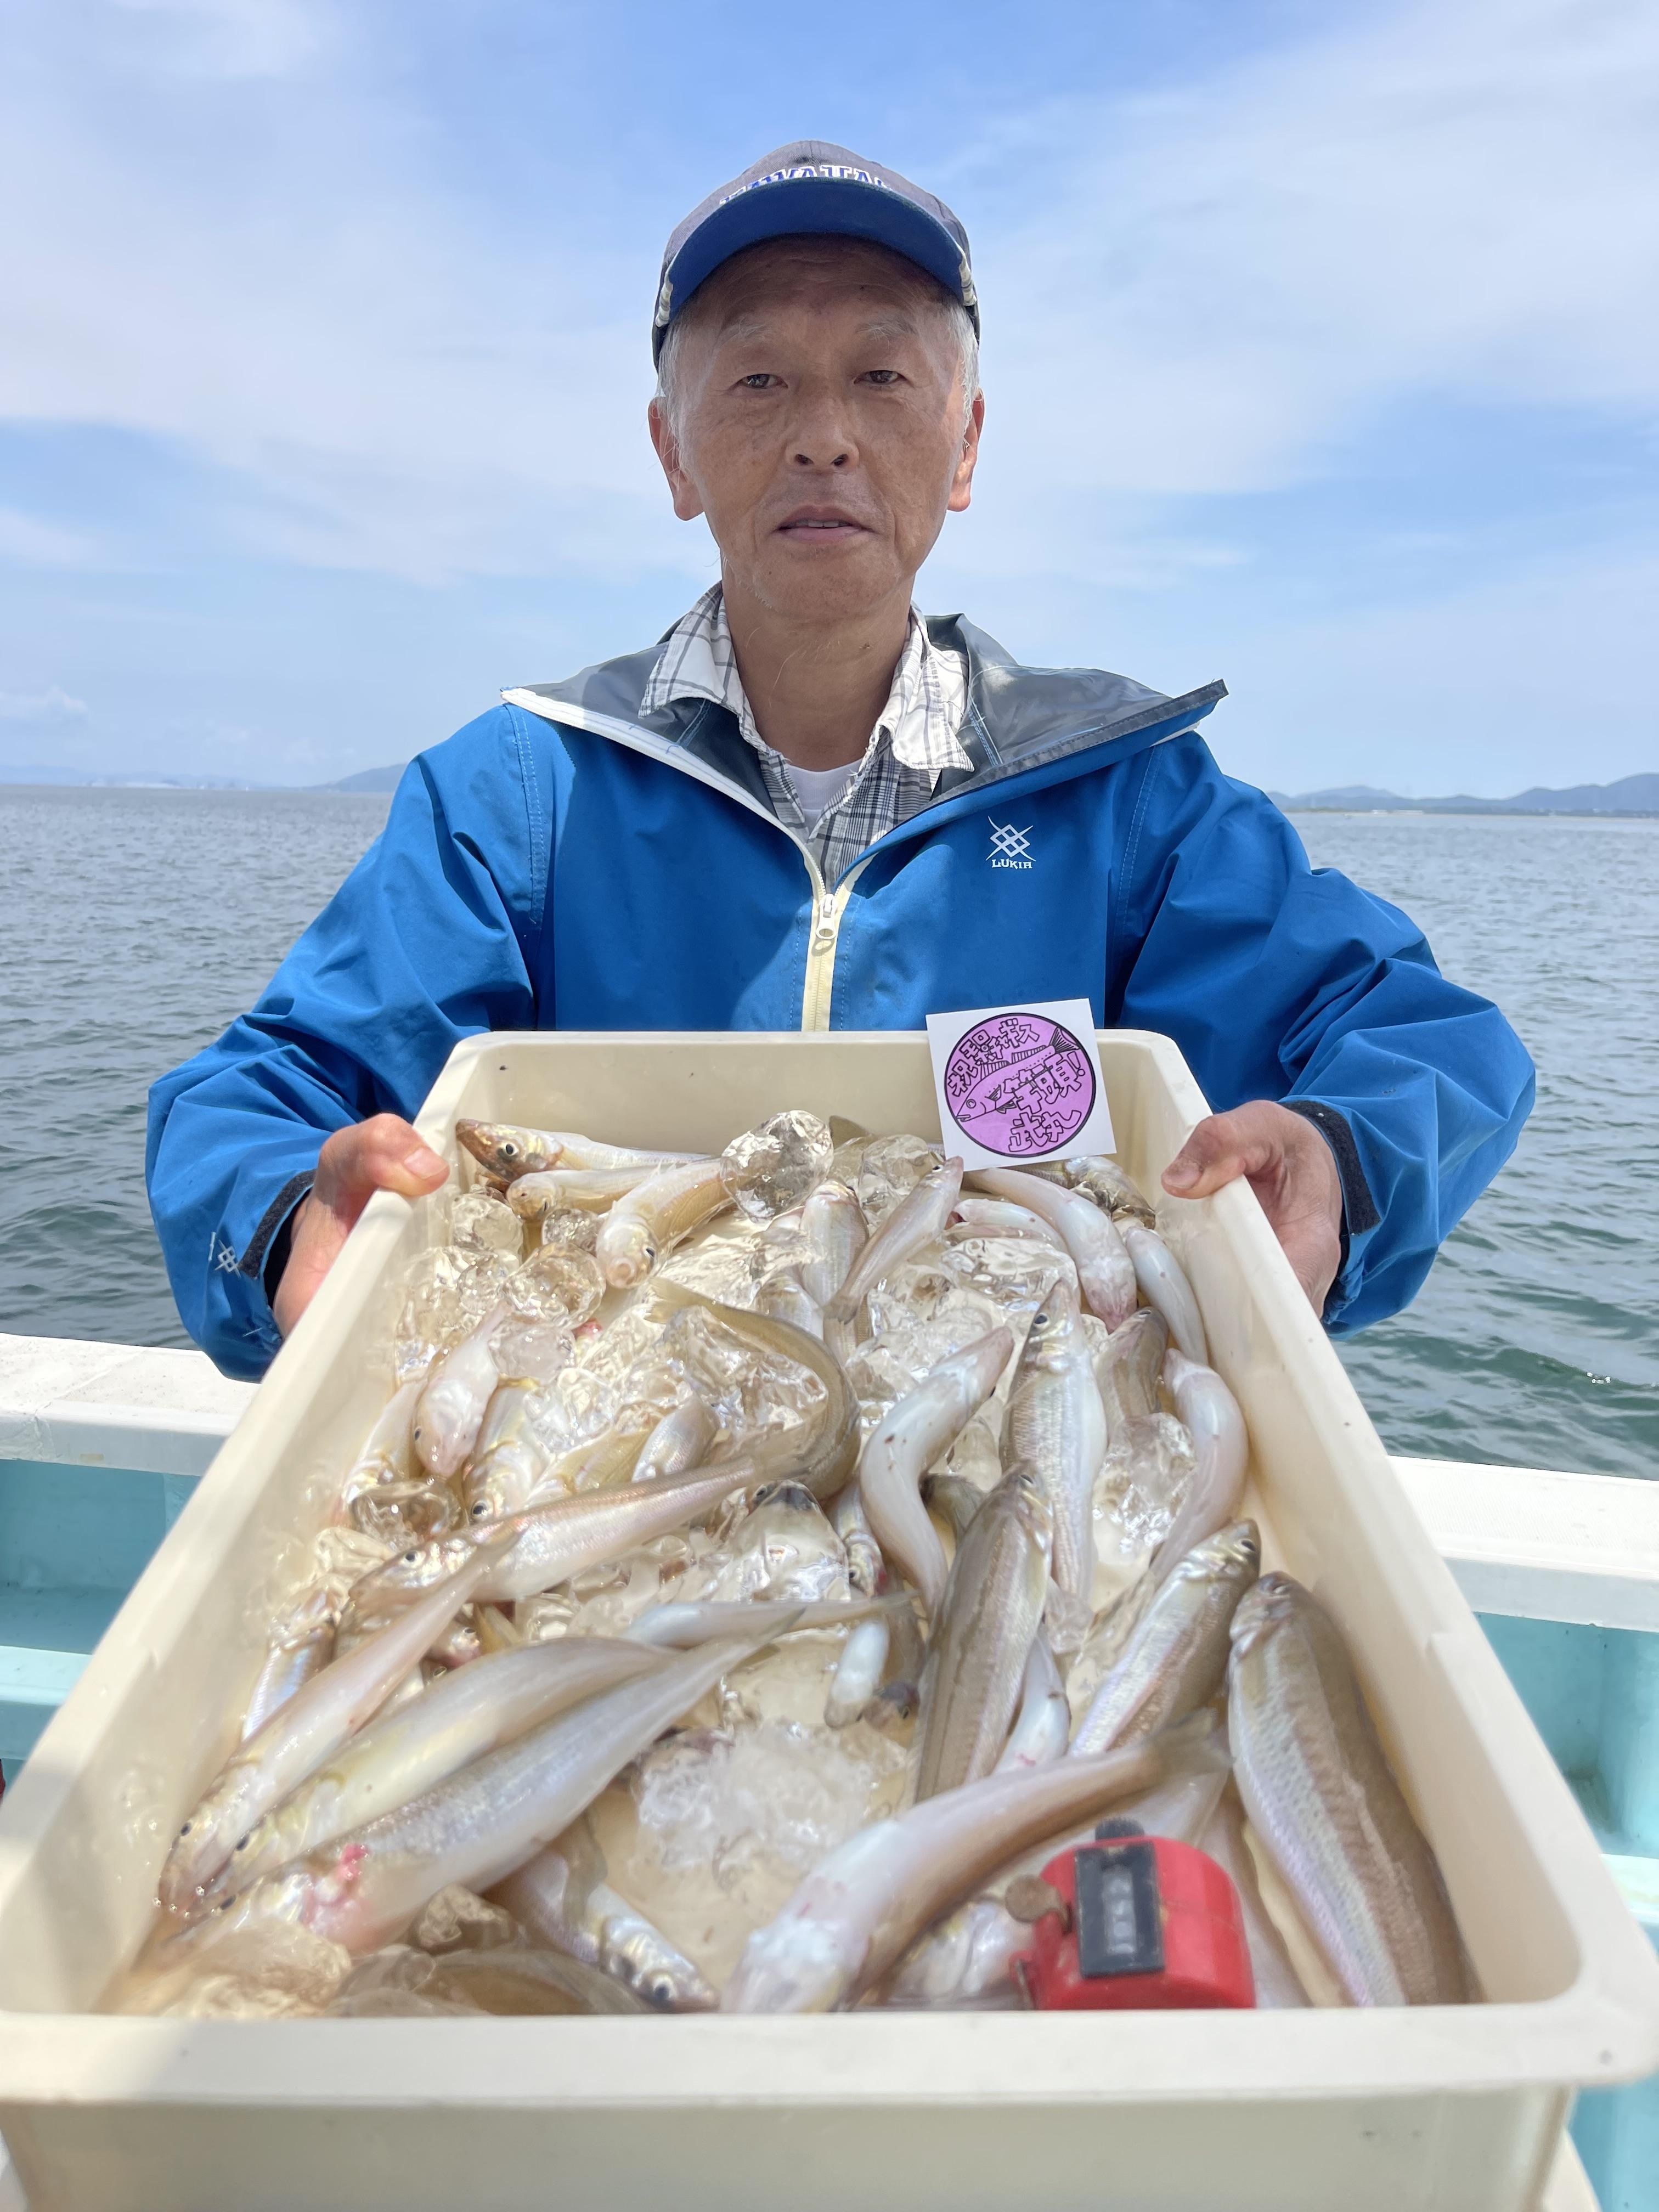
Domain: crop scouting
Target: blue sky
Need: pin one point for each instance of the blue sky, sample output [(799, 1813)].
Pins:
[(1321, 355)]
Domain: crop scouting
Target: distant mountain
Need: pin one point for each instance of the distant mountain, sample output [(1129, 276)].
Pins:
[(368, 779), (1631, 794), (138, 780)]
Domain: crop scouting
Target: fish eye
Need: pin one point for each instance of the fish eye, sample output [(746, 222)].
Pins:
[(509, 1151), (412, 1559), (481, 1511), (246, 1841), (186, 1829)]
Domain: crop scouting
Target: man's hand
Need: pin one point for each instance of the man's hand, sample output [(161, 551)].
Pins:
[(383, 1154), (1289, 1166)]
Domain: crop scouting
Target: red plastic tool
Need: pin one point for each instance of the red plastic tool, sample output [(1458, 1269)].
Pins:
[(1133, 1923)]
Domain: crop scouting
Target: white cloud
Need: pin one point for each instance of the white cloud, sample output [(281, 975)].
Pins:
[(239, 244), (1221, 282), (47, 709)]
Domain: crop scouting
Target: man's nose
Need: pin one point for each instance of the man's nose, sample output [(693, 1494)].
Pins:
[(822, 438)]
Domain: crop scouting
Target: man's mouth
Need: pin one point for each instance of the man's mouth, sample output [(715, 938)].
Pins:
[(820, 525)]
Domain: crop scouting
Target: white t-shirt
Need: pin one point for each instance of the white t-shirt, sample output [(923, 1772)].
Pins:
[(818, 788)]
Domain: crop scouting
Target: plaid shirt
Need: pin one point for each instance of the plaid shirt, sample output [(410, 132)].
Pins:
[(913, 743)]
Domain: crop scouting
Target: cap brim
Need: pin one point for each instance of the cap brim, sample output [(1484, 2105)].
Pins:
[(819, 207)]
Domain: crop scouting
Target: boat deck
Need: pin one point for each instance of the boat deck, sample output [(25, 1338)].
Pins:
[(102, 1445)]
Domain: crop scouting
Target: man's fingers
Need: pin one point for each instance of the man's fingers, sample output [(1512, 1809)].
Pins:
[(1217, 1151), (381, 1154)]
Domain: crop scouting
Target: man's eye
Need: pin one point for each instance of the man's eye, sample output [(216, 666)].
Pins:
[(882, 376), (759, 381)]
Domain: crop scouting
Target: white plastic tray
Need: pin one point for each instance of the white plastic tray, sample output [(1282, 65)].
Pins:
[(1371, 2111)]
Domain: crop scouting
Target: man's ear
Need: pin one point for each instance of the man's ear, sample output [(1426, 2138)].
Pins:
[(962, 484), (687, 503)]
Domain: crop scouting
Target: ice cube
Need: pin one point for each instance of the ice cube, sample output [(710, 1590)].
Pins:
[(570, 1229), (447, 1291), (556, 1284), (884, 1170), (1140, 1484), (537, 1350), (776, 1165), (782, 1547), (1015, 1273), (481, 1219)]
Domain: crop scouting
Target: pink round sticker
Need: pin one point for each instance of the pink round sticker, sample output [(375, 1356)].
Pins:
[(1019, 1084)]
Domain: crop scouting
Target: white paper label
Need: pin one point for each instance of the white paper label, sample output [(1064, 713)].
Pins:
[(1019, 1083)]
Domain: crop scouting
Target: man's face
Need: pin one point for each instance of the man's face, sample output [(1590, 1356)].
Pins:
[(819, 425)]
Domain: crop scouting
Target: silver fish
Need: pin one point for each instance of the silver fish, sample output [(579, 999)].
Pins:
[(513, 1982), (784, 1297), (654, 1215), (1277, 1985), (450, 1407), (967, 1957), (478, 1827), (917, 1219), (510, 1457), (1163, 1283), (858, 1671), (555, 1542), (388, 1452), (862, 1908), (832, 1225), (455, 1719), (901, 1693), (562, 1896), (820, 1456), (302, 1646), (508, 1150), (681, 1440), (866, 1570), (904, 1444), (1328, 1812), (1104, 1268), (1044, 1720), (1127, 1369), (582, 1190), (982, 1640), (681, 1624), (1176, 1659), (309, 1728), (955, 1500), (1114, 1191), (1001, 1216), (1221, 1447), (1056, 1421)]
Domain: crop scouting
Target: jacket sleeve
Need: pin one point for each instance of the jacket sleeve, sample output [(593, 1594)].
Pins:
[(1282, 980), (430, 939)]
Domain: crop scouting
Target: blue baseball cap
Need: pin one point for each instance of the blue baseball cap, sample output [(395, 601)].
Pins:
[(812, 186)]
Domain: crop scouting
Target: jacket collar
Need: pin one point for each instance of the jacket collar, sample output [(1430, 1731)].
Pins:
[(1017, 717)]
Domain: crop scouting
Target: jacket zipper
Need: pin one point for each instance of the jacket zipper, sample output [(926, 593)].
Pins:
[(829, 906)]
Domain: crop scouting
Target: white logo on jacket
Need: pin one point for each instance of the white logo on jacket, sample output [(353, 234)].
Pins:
[(1009, 848)]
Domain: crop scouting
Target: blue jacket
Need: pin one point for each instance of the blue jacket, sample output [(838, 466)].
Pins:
[(566, 862)]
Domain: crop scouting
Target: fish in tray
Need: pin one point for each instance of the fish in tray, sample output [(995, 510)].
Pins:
[(714, 1591)]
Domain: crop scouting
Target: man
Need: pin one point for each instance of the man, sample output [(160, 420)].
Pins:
[(809, 806)]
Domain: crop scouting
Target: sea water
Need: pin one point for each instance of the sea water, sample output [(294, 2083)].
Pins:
[(134, 924)]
